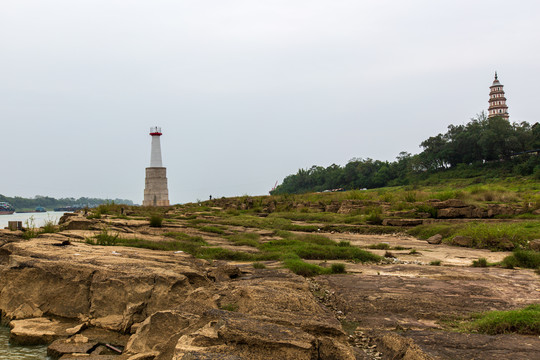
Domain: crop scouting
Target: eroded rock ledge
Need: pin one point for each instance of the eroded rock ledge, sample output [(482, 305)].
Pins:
[(158, 305)]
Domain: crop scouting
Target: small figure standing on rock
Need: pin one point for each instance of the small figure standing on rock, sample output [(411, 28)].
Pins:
[(210, 197)]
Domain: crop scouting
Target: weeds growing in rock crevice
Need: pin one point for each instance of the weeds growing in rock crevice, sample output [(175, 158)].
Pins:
[(32, 231)]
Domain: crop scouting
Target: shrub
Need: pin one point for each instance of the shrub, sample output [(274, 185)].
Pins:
[(435, 263), (94, 215), (338, 268), (374, 218), (303, 268), (410, 196), (523, 258), (481, 262), (49, 227), (388, 254), (344, 243), (414, 252), (156, 221), (258, 265)]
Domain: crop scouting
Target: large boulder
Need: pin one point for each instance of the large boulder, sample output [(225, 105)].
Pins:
[(534, 245), (38, 331), (465, 241), (435, 239), (450, 203), (76, 223), (455, 212), (246, 337), (77, 344)]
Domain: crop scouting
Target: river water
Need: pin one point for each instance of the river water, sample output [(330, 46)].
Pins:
[(14, 352), (37, 219)]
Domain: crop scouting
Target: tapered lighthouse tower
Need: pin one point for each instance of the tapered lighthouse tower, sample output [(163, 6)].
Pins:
[(497, 101), (156, 192)]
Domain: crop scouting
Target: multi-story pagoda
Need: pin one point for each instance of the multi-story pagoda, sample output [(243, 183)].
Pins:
[(497, 101)]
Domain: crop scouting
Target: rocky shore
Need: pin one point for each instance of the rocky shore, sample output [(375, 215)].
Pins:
[(158, 305), (124, 303)]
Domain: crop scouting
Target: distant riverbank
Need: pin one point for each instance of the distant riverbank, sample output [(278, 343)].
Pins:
[(37, 219)]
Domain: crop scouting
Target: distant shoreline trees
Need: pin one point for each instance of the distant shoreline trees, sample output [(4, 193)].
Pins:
[(49, 203), (483, 142)]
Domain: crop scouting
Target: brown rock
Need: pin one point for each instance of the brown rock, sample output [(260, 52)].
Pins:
[(402, 222), (37, 331), (78, 223), (66, 346), (500, 210), (157, 329), (65, 217), (450, 203), (505, 244), (450, 213), (466, 241), (435, 239), (246, 337), (534, 245), (224, 272)]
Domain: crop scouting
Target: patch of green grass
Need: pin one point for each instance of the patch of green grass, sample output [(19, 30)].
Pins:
[(435, 262), (305, 269), (229, 307), (524, 321), (414, 252), (484, 235), (379, 246), (522, 258), (258, 265), (104, 238), (212, 229), (246, 239)]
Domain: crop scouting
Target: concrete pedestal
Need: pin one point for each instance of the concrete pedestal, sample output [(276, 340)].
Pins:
[(156, 192)]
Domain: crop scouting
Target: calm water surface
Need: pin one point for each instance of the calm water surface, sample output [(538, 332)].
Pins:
[(38, 219), (14, 352)]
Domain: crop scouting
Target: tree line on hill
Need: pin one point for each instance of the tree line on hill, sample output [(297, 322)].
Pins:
[(49, 203), (483, 144)]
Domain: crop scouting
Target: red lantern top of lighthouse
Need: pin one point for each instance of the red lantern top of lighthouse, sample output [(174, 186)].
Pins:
[(155, 131)]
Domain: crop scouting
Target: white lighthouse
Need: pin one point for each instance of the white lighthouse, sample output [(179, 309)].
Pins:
[(156, 192)]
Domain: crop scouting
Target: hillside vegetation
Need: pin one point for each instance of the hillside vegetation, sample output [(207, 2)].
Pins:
[(482, 149)]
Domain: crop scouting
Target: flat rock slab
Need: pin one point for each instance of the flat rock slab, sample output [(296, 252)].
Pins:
[(38, 331), (458, 346), (68, 346), (416, 297)]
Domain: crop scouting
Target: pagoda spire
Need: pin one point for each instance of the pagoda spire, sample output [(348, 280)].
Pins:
[(497, 100)]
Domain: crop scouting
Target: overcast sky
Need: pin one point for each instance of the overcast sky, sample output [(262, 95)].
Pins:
[(246, 92)]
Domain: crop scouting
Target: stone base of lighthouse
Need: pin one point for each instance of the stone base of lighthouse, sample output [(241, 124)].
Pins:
[(156, 192)]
